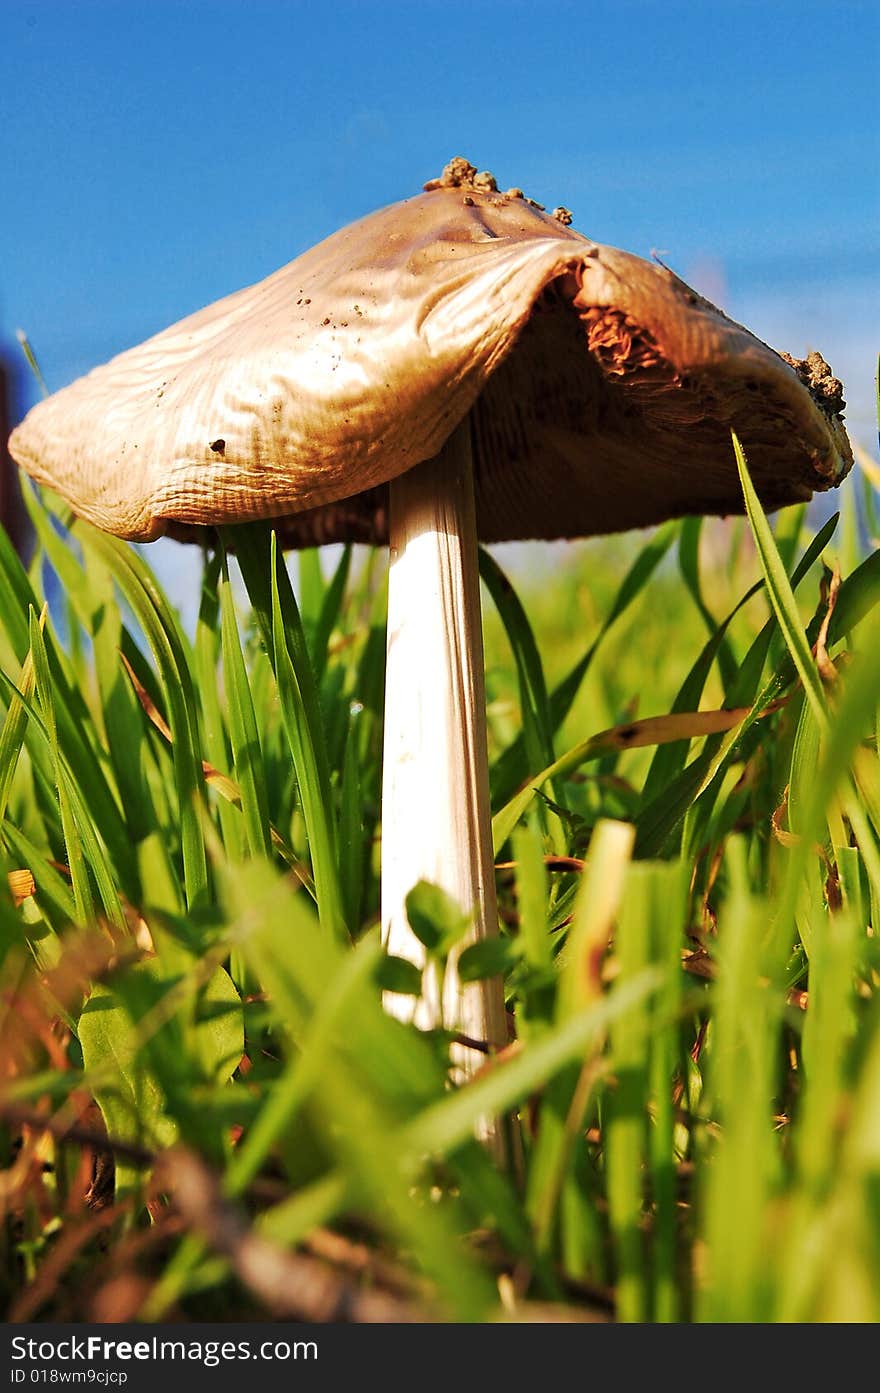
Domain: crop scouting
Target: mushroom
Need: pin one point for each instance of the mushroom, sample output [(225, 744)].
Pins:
[(459, 365)]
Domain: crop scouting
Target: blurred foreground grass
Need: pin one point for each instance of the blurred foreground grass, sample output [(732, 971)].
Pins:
[(205, 1112)]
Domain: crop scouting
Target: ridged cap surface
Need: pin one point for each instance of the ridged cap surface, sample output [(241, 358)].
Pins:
[(603, 390)]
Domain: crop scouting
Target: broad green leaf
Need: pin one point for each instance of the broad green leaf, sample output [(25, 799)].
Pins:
[(489, 957), (435, 918), (132, 1100), (399, 975)]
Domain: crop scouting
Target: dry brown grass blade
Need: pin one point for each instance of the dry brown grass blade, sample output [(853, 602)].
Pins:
[(153, 713), (663, 730), (699, 964), (782, 835), (224, 785), (553, 863), (827, 670), (786, 838)]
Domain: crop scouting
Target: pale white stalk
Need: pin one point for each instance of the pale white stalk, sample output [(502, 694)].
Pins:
[(435, 804)]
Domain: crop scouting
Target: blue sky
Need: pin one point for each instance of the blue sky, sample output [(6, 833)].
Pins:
[(156, 156)]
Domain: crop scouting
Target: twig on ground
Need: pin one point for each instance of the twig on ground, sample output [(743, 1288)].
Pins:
[(289, 1284)]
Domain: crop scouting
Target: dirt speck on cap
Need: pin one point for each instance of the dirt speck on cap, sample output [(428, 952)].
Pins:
[(459, 173), (456, 173), (825, 389), (485, 182)]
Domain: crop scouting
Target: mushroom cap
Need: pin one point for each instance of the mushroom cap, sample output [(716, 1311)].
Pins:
[(602, 389)]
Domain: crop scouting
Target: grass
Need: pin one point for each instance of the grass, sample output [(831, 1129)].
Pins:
[(205, 1112)]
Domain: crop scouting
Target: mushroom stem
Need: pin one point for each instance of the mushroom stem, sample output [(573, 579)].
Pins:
[(435, 801)]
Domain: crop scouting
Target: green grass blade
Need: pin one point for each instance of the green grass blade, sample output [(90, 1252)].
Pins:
[(174, 662), (780, 592), (82, 890), (741, 1178), (537, 729), (13, 732), (659, 817), (329, 614), (84, 851), (351, 830), (667, 920), (245, 736), (854, 717), (450, 1122), (689, 565), (649, 731), (669, 760), (17, 596), (52, 889), (626, 1111), (215, 740), (299, 713), (531, 888), (511, 767)]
